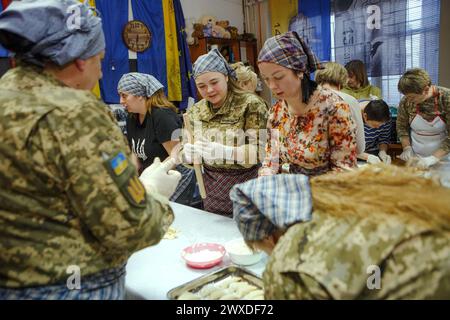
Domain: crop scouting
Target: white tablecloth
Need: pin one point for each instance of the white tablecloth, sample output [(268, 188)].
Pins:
[(153, 271)]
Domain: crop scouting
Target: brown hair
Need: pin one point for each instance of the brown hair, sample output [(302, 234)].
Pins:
[(307, 86), (333, 73), (159, 99), (358, 69), (414, 81)]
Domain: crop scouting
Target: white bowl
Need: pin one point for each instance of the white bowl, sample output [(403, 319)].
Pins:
[(241, 254)]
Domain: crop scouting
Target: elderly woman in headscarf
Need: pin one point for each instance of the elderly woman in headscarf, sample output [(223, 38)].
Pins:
[(72, 208), (226, 124), (152, 124), (363, 234), (310, 128)]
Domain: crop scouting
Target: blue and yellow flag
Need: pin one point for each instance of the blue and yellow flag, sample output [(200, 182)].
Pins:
[(188, 88), (172, 52), (114, 16), (167, 58)]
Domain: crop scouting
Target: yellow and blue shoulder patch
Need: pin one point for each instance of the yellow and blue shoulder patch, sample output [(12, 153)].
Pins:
[(125, 177), (119, 164)]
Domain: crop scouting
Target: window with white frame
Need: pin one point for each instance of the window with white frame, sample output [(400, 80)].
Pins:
[(419, 40)]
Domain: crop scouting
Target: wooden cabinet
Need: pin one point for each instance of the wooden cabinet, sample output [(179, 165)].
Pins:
[(232, 49)]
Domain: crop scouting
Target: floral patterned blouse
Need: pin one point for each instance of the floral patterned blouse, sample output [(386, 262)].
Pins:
[(323, 138)]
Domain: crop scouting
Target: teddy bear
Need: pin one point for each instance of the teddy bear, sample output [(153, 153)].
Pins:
[(223, 30), (198, 32), (208, 23), (233, 32), (220, 32), (223, 23), (205, 20)]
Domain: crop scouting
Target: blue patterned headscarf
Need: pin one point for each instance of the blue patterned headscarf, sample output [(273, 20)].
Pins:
[(265, 204), (60, 31), (213, 61), (139, 84), (290, 51)]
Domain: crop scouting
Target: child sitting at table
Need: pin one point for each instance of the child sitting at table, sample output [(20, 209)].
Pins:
[(377, 132)]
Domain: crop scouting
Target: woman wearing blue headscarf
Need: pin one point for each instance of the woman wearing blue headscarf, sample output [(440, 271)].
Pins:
[(226, 124), (325, 243), (313, 131), (153, 126)]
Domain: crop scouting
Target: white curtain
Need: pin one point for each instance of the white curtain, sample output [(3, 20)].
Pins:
[(257, 20)]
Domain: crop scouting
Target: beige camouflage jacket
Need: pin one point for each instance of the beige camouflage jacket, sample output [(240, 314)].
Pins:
[(68, 192), (236, 123), (337, 258)]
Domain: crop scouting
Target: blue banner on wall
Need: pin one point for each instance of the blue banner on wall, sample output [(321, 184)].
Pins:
[(115, 64), (313, 25), (188, 88), (152, 60)]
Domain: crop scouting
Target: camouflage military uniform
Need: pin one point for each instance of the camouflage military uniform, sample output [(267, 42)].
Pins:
[(331, 258), (236, 123), (239, 113), (69, 195)]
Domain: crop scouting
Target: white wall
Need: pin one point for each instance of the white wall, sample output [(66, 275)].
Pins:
[(230, 10)]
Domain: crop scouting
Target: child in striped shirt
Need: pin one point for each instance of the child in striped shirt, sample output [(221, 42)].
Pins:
[(377, 131)]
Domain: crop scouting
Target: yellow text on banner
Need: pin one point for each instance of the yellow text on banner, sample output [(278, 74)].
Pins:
[(281, 11)]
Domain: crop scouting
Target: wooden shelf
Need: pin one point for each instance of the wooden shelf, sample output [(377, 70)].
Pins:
[(236, 48)]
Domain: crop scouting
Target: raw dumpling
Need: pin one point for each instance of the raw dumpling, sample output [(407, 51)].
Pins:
[(188, 296), (255, 295), (239, 285), (217, 293), (229, 296), (206, 290), (224, 284), (244, 290)]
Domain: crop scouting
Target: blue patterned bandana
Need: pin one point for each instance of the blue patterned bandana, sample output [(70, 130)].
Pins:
[(262, 205), (60, 30), (213, 61), (139, 84), (290, 51)]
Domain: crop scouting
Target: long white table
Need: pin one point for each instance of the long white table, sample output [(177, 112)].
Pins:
[(153, 271)]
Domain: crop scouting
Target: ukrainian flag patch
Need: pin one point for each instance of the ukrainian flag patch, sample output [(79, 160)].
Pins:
[(119, 164)]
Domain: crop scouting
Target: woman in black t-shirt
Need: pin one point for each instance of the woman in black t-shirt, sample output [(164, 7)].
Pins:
[(151, 121)]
